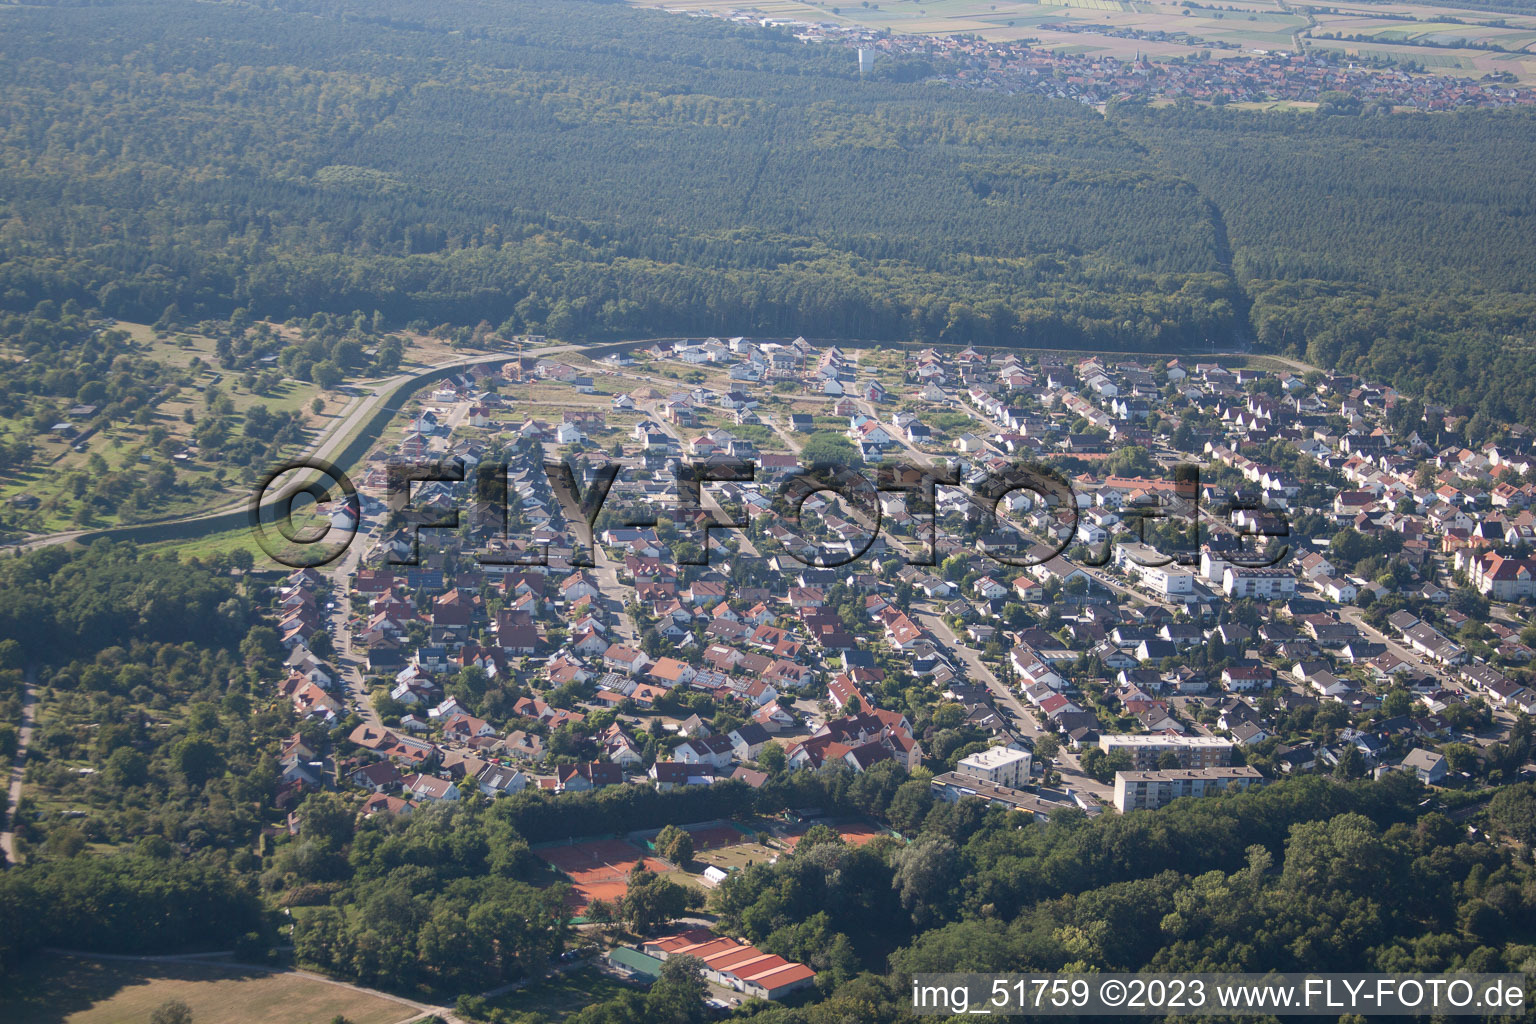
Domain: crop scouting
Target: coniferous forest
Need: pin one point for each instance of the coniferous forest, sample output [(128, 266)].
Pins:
[(588, 171)]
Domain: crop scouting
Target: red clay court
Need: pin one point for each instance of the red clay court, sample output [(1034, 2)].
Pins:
[(854, 833), (598, 868)]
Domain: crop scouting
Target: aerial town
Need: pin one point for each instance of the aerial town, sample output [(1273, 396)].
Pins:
[(1250, 78), (1337, 591), (1234, 74), (768, 511)]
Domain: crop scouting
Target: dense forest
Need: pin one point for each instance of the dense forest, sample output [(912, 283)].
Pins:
[(174, 736), (608, 173), (586, 170), (1398, 247)]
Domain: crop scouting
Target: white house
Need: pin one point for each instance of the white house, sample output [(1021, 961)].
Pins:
[(717, 751), (990, 589), (429, 787)]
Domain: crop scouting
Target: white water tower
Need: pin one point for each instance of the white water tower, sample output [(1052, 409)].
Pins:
[(866, 61)]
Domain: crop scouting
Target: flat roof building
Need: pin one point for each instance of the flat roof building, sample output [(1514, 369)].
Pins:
[(1192, 751), (635, 962), (1147, 791), (953, 786), (1001, 766)]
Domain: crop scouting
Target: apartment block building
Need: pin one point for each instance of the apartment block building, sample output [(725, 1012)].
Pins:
[(1149, 790), (1000, 766), (1192, 751)]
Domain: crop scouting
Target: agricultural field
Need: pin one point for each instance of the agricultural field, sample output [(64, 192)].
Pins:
[(1443, 39), (1458, 62), (69, 990), (1245, 23), (1442, 25)]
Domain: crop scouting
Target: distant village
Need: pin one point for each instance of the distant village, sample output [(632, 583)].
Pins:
[(1250, 77)]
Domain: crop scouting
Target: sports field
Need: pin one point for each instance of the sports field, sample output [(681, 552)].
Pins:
[(854, 833), (729, 848), (598, 868), (70, 990), (737, 856), (710, 837)]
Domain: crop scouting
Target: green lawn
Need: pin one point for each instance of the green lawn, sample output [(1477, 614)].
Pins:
[(66, 990), (217, 544), (557, 998)]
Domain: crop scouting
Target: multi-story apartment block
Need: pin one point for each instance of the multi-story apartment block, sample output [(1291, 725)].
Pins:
[(1192, 751), (1149, 790)]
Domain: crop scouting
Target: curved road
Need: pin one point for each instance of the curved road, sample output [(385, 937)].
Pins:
[(331, 441)]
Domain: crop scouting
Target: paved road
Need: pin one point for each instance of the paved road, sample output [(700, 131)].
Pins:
[(706, 498), (1104, 579), (978, 670), (19, 765), (326, 445), (1355, 616), (1024, 719), (1066, 762), (772, 422), (348, 663), (613, 594)]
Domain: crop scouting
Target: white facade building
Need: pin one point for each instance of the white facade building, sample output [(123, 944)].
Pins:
[(1001, 766)]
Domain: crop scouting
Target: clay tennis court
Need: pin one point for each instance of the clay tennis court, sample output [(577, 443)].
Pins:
[(854, 833), (598, 868)]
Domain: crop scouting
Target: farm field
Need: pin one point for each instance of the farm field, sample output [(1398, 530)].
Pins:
[(69, 990), (1442, 26), (1459, 62), (1251, 24)]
